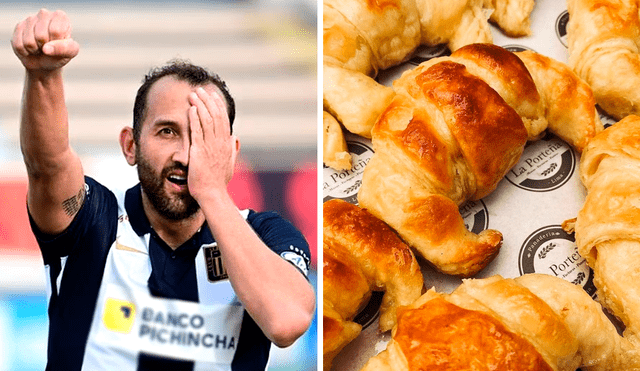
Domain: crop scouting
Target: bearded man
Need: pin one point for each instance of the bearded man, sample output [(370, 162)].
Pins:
[(168, 274)]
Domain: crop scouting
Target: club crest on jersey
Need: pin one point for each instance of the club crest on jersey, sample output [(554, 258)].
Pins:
[(298, 258), (213, 262)]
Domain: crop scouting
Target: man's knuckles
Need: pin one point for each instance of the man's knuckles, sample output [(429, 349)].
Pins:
[(59, 27), (37, 30)]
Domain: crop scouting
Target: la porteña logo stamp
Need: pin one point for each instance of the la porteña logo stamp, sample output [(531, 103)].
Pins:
[(345, 184), (550, 250), (561, 27), (545, 165), (425, 53), (475, 216)]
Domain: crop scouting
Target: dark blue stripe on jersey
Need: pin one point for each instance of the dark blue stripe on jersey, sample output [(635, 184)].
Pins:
[(253, 347), (173, 273), (87, 246), (86, 243), (173, 276), (270, 226), (148, 362), (137, 217)]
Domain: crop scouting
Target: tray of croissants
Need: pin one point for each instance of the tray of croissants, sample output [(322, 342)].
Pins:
[(481, 185)]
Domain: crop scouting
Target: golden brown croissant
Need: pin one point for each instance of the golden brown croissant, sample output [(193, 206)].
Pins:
[(607, 228), (334, 146), (359, 39), (361, 254), (604, 38), (512, 16), (362, 37), (450, 135), (455, 23), (391, 28), (354, 99), (343, 44), (534, 322), (367, 36), (570, 106)]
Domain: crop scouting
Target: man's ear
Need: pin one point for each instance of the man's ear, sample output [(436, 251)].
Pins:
[(234, 156), (237, 149), (128, 145), (237, 144)]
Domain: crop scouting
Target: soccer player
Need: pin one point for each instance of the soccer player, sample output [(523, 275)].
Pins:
[(168, 274)]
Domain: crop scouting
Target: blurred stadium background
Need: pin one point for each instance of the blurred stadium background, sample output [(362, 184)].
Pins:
[(265, 50)]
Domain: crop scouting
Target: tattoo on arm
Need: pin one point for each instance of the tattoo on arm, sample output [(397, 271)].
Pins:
[(72, 205)]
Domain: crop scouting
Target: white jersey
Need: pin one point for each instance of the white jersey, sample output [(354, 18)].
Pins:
[(128, 302)]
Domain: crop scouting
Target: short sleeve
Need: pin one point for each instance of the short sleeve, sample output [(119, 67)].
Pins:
[(282, 237), (95, 223)]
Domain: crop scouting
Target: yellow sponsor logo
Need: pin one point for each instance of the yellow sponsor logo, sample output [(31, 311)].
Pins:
[(118, 315)]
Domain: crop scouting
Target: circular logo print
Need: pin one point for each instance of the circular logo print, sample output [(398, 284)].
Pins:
[(561, 27), (345, 184), (369, 314), (545, 165), (424, 53), (605, 118), (475, 216), (550, 250), (516, 48)]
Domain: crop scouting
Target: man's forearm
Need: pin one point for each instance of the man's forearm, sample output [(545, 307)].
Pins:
[(44, 132), (273, 291), (55, 172), (275, 294)]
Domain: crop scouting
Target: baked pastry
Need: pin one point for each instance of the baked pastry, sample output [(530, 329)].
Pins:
[(570, 106), (607, 228), (512, 16), (336, 334), (334, 146), (367, 36), (354, 99), (509, 77), (455, 23), (534, 322), (450, 135), (603, 40), (361, 254), (361, 38), (390, 28), (343, 44)]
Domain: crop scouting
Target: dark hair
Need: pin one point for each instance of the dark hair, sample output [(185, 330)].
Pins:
[(183, 71)]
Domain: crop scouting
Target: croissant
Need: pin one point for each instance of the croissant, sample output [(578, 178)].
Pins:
[(391, 29), (607, 228), (343, 45), (361, 254), (354, 99), (603, 39), (455, 23), (534, 322), (450, 135), (570, 105), (361, 38), (367, 36), (334, 146), (512, 16)]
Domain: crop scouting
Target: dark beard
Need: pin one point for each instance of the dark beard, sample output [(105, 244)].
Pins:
[(174, 207)]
